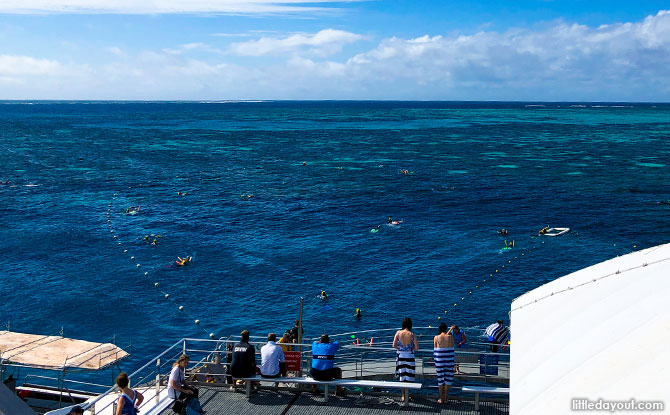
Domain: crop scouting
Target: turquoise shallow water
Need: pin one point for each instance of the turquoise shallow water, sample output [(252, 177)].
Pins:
[(473, 168)]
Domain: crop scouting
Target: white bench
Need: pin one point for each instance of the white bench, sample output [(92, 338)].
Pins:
[(336, 382), (495, 390)]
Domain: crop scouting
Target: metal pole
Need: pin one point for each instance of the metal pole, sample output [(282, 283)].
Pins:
[(300, 336), (158, 378), (300, 320)]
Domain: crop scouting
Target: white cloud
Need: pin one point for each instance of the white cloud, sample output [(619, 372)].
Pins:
[(560, 61), (623, 61), (163, 6), (13, 66), (115, 51), (323, 43), (195, 46), (230, 34)]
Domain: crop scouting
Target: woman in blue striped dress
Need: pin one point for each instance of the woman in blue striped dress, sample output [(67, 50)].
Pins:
[(443, 354), (406, 343)]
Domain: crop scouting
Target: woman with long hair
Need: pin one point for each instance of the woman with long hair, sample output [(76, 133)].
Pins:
[(188, 394)]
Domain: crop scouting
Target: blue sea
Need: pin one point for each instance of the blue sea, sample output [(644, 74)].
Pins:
[(284, 199)]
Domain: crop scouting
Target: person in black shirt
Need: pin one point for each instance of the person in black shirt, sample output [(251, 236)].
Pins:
[(295, 332), (243, 364)]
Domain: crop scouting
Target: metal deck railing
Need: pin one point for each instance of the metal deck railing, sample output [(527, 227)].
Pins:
[(363, 355)]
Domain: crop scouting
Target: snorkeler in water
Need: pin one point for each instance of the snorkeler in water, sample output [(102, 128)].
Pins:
[(323, 295), (133, 210), (358, 314), (183, 261), (151, 239)]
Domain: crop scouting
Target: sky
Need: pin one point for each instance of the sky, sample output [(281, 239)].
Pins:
[(522, 50)]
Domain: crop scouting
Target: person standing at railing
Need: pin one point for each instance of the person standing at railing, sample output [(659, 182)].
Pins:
[(188, 394), (406, 343), (497, 334), (443, 354), (459, 341), (295, 332), (126, 404)]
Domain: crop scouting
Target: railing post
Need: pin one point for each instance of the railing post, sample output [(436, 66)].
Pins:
[(158, 379), (300, 335)]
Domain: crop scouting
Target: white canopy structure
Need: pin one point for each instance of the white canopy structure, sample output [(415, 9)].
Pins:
[(598, 333), (56, 352)]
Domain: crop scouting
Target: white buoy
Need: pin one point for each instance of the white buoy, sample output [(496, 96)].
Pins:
[(156, 285), (138, 265), (132, 257), (119, 243), (181, 308), (211, 335), (167, 295), (125, 250), (114, 236), (197, 322), (146, 273)]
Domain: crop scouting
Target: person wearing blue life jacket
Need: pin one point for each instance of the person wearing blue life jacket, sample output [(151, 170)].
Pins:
[(459, 336), (130, 399), (459, 341), (323, 357)]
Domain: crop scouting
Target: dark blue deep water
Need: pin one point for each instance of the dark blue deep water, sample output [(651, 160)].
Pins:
[(473, 168)]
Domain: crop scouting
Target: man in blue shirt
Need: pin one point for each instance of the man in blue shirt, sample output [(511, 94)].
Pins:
[(323, 356)]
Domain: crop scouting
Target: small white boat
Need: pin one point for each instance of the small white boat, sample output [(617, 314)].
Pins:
[(555, 231)]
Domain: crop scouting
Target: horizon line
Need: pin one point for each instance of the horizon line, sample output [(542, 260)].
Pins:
[(233, 101)]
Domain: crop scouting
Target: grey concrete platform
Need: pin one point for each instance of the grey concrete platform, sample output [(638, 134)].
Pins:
[(285, 402)]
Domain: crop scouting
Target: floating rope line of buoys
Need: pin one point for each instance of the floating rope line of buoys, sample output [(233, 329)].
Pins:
[(492, 275), (481, 283), (156, 284)]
